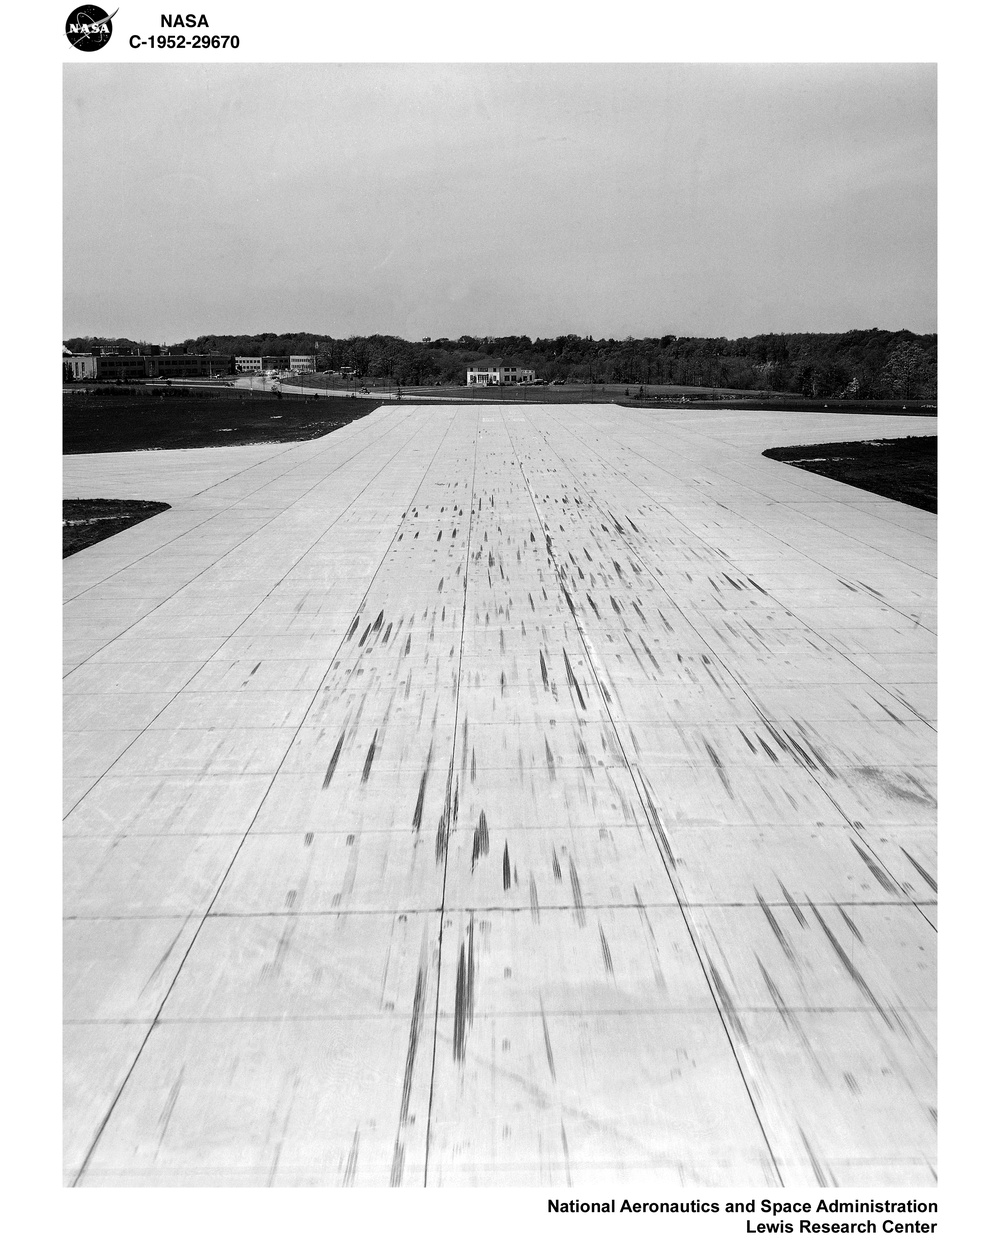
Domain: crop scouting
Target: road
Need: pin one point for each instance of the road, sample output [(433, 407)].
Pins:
[(504, 796), (251, 382)]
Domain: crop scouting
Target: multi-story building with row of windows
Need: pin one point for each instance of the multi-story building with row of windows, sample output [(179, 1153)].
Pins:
[(127, 366), (261, 364), (498, 375)]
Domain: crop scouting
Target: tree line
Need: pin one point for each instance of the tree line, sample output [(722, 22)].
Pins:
[(856, 364)]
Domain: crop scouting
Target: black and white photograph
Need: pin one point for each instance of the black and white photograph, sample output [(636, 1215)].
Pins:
[(500, 631)]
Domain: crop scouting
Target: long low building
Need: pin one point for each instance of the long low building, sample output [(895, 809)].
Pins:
[(127, 367)]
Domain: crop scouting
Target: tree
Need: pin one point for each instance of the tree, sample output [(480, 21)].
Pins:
[(386, 362), (422, 366), (831, 379), (360, 356), (903, 371)]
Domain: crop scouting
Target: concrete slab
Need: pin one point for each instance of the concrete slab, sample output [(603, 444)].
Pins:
[(502, 796)]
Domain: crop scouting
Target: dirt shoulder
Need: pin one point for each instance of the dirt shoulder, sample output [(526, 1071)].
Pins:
[(736, 403), (904, 469), (89, 521), (141, 419)]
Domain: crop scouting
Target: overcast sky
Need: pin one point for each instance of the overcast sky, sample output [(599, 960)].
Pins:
[(496, 199)]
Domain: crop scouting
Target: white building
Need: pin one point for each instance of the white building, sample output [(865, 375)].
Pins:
[(78, 367), (302, 364), (249, 364), (498, 375)]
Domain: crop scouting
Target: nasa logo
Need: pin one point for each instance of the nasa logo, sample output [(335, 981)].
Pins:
[(88, 28)]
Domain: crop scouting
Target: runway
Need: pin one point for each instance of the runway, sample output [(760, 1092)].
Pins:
[(507, 796)]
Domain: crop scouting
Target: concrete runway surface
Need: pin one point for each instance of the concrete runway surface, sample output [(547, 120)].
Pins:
[(502, 796)]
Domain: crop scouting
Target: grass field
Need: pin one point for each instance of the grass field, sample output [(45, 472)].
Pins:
[(904, 469), (204, 418)]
